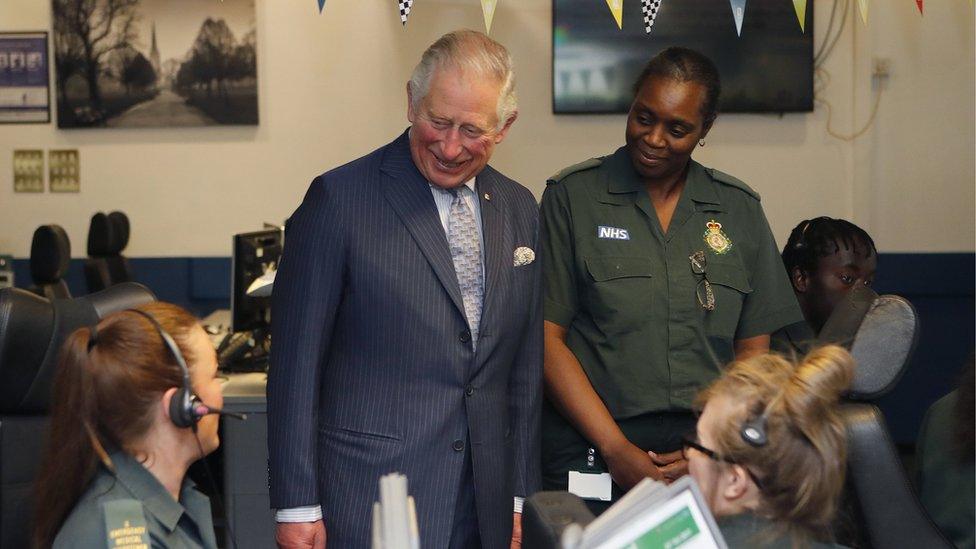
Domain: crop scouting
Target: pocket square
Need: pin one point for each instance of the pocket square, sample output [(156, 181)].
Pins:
[(523, 256)]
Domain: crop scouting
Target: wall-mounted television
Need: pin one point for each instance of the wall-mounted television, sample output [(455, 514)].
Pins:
[(767, 69)]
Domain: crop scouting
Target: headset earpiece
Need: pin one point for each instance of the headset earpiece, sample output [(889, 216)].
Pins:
[(754, 431), (182, 411)]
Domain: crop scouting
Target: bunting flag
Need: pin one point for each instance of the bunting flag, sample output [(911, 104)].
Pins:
[(404, 10), (617, 9), (862, 10), (488, 9), (801, 13), (321, 5), (919, 4), (738, 11), (650, 9)]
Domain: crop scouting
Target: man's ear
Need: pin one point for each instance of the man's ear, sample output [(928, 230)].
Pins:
[(411, 116), (504, 131), (800, 280)]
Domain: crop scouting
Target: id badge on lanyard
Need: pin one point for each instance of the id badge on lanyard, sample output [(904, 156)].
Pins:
[(591, 483)]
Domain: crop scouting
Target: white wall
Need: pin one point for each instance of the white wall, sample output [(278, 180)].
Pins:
[(332, 88)]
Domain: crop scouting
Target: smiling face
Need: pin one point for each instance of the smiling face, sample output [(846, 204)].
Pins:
[(454, 128), (664, 125), (836, 274)]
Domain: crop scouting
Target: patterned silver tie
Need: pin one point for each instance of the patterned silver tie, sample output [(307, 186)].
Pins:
[(465, 243)]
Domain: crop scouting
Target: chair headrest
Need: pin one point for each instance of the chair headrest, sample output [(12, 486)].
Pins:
[(120, 222), (883, 346), (32, 330), (50, 254), (848, 314), (101, 236)]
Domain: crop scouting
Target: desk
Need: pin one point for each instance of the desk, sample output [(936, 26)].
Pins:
[(245, 448)]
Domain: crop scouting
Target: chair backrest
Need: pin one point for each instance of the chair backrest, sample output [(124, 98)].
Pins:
[(886, 504), (108, 235), (32, 330), (49, 259)]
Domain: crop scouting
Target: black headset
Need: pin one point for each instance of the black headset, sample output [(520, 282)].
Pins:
[(185, 408)]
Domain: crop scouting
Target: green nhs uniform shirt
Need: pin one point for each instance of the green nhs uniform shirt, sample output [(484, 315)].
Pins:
[(631, 299)]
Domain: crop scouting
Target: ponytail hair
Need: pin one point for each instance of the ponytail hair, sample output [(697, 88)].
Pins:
[(108, 381), (802, 464)]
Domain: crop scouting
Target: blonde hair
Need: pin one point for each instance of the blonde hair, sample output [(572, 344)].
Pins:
[(473, 52), (802, 465)]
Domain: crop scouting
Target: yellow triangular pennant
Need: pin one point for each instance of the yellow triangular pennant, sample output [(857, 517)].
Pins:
[(488, 8), (617, 9), (801, 13), (862, 10)]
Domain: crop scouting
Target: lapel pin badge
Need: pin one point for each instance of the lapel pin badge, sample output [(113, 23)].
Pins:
[(487, 196)]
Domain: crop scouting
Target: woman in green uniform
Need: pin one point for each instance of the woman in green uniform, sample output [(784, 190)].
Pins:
[(769, 451), (134, 399), (658, 271)]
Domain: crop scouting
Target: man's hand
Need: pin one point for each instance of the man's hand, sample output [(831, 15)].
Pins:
[(672, 465), (517, 531), (300, 535), (629, 465)]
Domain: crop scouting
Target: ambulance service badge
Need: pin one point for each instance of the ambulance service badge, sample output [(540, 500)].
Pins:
[(717, 240)]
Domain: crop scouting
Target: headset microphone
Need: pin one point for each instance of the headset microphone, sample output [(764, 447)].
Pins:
[(202, 409)]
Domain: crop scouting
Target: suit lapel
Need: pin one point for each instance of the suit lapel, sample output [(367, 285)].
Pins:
[(496, 251), (408, 193)]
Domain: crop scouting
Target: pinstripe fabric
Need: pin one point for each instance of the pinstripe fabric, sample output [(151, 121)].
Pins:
[(369, 371)]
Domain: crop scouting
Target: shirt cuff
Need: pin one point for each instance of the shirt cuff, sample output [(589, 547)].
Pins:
[(308, 513), (518, 504)]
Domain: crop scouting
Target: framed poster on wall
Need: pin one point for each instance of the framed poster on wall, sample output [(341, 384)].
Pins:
[(155, 63), (24, 84)]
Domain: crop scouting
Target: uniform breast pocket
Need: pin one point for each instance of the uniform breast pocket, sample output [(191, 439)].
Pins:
[(730, 282), (620, 292)]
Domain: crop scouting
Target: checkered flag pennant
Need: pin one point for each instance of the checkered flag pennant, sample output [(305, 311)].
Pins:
[(650, 9), (404, 10)]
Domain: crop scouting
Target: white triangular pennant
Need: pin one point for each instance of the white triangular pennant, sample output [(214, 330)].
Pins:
[(650, 9), (488, 9), (801, 13), (862, 10), (404, 10), (738, 11), (617, 9)]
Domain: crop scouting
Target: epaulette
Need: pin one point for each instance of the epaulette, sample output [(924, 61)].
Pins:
[(582, 166), (731, 181)]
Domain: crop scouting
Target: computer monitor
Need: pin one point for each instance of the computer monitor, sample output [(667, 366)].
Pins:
[(255, 254)]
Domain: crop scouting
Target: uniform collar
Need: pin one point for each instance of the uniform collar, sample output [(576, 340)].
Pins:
[(622, 179), (146, 488)]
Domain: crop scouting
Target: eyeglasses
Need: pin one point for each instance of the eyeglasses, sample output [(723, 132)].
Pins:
[(689, 441), (704, 293)]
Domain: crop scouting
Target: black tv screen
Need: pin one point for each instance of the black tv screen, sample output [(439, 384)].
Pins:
[(768, 69)]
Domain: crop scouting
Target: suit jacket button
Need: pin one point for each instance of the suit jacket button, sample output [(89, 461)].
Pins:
[(469, 390), (465, 336), (458, 445)]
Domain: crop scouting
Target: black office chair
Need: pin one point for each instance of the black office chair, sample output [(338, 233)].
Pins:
[(887, 513), (32, 330), (49, 258), (108, 235)]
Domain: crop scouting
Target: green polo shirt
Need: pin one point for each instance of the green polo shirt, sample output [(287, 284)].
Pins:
[(627, 293), (129, 508)]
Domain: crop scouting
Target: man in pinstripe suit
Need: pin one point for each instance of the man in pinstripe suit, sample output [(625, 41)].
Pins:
[(407, 332)]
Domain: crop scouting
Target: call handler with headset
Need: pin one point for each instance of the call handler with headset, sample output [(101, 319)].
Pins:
[(135, 403), (658, 271)]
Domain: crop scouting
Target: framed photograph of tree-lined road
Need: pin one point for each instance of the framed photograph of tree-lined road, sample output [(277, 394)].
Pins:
[(155, 63)]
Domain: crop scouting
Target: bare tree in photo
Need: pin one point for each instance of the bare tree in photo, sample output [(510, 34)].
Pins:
[(94, 28)]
